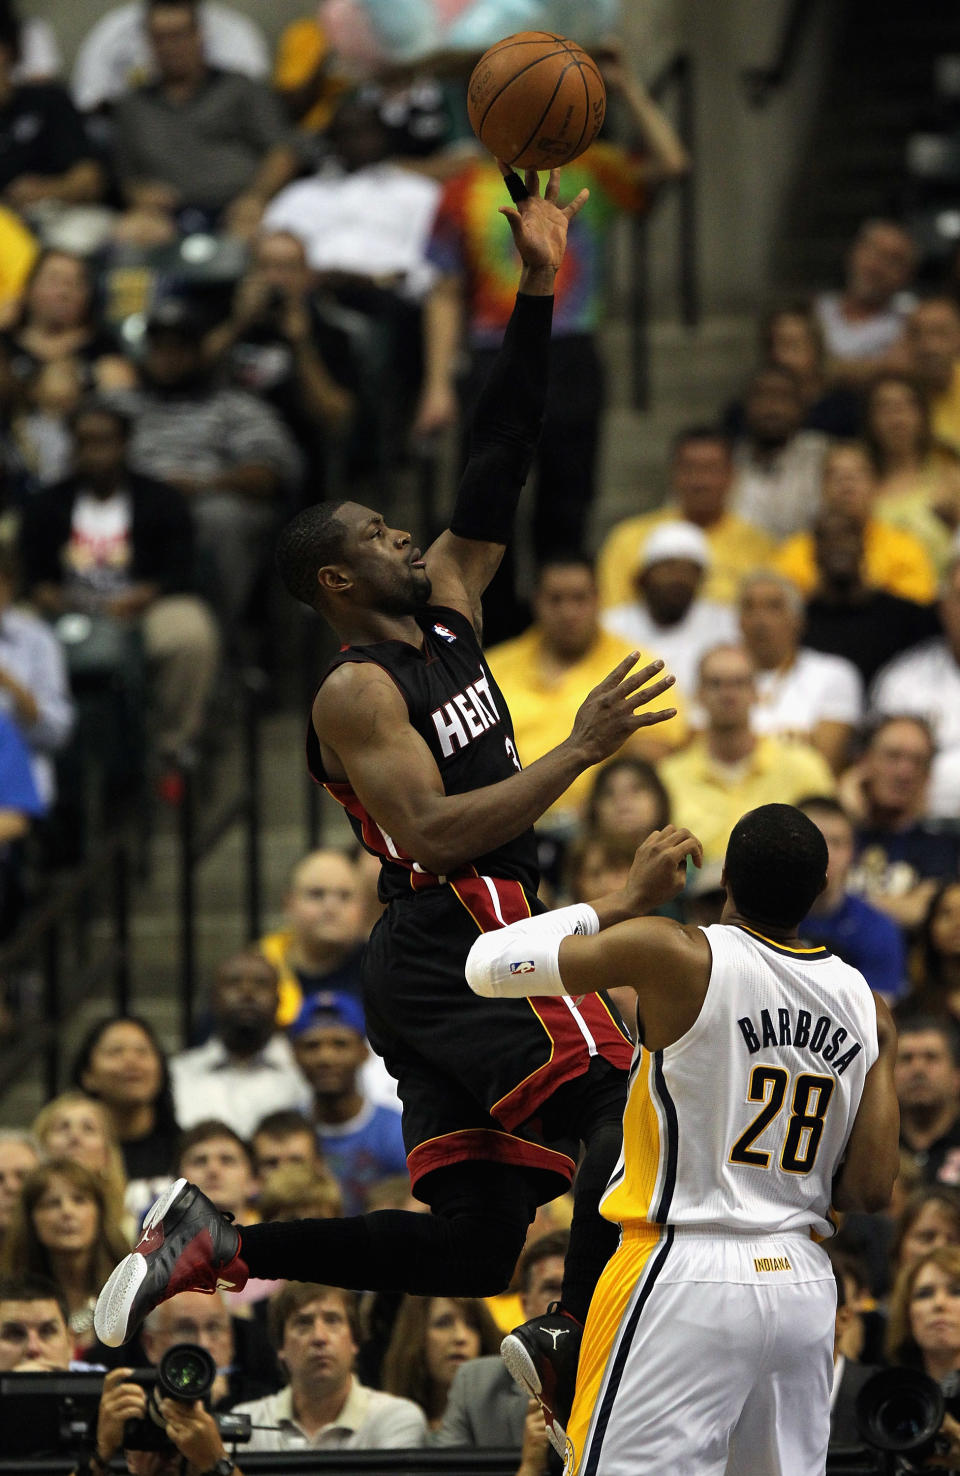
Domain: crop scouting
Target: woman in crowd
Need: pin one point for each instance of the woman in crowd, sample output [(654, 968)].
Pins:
[(121, 1064), (930, 1221), (77, 1127), (62, 1228), (432, 1337), (57, 320), (918, 481), (791, 338), (627, 801), (936, 989), (924, 1327)]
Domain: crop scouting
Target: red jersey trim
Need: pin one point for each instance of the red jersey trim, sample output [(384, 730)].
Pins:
[(471, 1144)]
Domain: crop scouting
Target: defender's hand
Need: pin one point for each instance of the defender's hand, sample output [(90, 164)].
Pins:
[(608, 715), (659, 869), (539, 224)]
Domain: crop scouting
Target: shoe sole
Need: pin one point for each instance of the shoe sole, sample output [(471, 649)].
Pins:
[(523, 1371), (112, 1317)]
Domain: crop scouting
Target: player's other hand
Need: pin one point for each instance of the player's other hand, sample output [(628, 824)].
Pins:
[(659, 869), (539, 223), (609, 714)]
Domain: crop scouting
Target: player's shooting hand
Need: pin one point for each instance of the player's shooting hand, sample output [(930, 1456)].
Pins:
[(659, 869), (608, 715), (539, 223), (119, 1402)]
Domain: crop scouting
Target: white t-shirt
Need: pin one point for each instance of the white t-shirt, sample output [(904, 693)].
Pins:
[(869, 338), (815, 688), (114, 56), (925, 682), (375, 222), (39, 53), (781, 495), (706, 624)]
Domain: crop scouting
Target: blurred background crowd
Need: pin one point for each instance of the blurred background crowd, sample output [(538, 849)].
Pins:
[(244, 267)]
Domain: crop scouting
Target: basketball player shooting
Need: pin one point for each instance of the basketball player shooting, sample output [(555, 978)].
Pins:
[(409, 732), (762, 1094)]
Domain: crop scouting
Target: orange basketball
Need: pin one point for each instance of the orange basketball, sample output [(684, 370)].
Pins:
[(536, 100)]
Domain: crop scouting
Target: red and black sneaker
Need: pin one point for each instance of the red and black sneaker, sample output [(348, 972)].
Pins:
[(186, 1244), (542, 1356)]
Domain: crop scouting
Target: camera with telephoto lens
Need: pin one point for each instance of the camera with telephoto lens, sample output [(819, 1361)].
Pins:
[(185, 1372), (899, 1413)]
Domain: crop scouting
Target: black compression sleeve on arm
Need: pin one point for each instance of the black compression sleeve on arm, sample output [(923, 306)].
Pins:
[(506, 426)]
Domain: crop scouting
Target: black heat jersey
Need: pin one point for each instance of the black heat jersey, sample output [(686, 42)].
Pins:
[(458, 710)]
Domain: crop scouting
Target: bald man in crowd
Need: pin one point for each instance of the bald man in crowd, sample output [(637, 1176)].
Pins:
[(321, 941)]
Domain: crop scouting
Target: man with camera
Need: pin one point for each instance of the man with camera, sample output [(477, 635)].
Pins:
[(190, 1431)]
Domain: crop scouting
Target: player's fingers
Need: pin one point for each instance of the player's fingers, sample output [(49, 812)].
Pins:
[(632, 680), (512, 216), (647, 719), (532, 181), (615, 677), (577, 204), (638, 697), (552, 191)]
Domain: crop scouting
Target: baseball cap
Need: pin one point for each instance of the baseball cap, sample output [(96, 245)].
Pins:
[(674, 540), (329, 1007), (175, 315)]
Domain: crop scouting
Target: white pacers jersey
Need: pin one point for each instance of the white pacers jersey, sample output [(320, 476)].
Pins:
[(743, 1122)]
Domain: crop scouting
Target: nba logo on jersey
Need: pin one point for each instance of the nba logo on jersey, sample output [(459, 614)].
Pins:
[(525, 966), (444, 634)]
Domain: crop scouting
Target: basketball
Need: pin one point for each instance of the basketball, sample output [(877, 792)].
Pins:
[(536, 100)]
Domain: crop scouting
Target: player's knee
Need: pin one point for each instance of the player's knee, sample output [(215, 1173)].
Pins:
[(487, 1252)]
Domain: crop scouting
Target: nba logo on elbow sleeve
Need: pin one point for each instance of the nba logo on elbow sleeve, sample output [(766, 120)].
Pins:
[(525, 966)]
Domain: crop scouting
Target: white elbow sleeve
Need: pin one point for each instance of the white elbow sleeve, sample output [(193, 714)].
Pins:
[(521, 960)]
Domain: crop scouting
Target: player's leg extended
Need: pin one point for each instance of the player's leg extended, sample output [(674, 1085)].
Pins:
[(542, 1354), (468, 1246)]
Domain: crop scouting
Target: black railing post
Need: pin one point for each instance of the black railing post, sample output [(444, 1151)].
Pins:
[(687, 273), (251, 729), (188, 905), (51, 1008), (121, 927), (640, 317)]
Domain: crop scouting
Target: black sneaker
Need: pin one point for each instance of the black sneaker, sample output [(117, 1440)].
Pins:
[(186, 1244), (542, 1357)]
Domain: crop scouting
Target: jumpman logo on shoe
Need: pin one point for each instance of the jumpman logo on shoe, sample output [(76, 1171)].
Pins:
[(555, 1332)]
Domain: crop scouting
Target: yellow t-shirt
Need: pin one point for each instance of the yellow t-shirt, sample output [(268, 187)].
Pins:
[(303, 45), (912, 511), (736, 549), (892, 560), (18, 252), (543, 711), (709, 799)]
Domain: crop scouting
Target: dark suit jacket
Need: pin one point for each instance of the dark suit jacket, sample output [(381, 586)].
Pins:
[(485, 1407), (843, 1424)]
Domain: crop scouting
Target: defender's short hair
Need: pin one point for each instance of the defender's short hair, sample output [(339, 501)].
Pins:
[(210, 1130), (776, 865), (313, 538)]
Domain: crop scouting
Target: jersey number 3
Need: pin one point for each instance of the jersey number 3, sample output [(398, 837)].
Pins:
[(808, 1111)]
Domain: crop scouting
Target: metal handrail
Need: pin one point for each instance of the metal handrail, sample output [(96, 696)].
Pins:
[(677, 76), (760, 83), (41, 937)]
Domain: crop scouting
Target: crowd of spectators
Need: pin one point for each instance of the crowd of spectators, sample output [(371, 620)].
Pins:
[(320, 283)]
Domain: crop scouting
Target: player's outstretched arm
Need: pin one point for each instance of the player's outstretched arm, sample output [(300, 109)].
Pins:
[(865, 1180), (604, 945), (360, 718), (506, 425)]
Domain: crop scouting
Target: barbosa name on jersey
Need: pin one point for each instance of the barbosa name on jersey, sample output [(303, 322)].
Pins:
[(467, 716), (798, 1029)]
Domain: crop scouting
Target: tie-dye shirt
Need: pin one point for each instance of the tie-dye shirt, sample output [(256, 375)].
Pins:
[(471, 240)]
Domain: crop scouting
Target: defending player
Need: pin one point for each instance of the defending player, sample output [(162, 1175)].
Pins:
[(762, 1093), (410, 733)]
